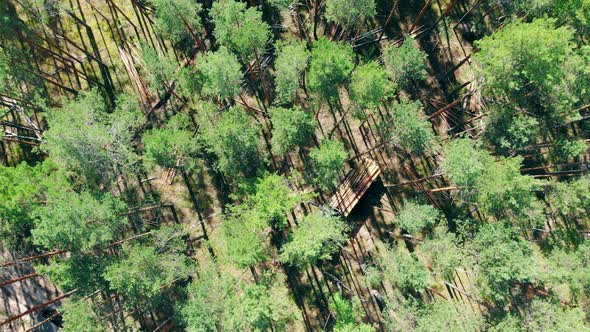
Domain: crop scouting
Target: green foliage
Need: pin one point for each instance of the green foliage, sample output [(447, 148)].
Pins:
[(159, 70), (546, 316), (328, 161), (78, 222), (567, 149), (240, 29), (220, 74), (218, 301), (498, 187), (410, 129), (445, 255), (523, 66), (571, 268), (206, 300), (504, 192), (414, 217), (257, 308), (233, 138), (571, 199), (448, 316), (370, 85), (172, 14), (290, 63), (143, 270), (405, 64), (173, 146), (464, 162), (350, 14), (510, 133), (504, 262), (245, 232), (274, 199), (84, 138), (78, 317), (330, 67), (318, 237), (346, 317), (404, 269), (291, 128), (22, 189), (79, 271)]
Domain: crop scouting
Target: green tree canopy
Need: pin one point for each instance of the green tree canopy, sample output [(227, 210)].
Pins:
[(545, 316), (504, 261), (571, 199), (328, 161), (79, 271), (159, 69), (524, 67), (240, 29), (245, 233), (330, 67), (143, 270), (22, 190), (290, 63), (448, 316), (79, 221), (274, 199), (220, 74), (412, 131), (173, 16), (291, 128), (346, 318), (234, 139), (405, 64), (172, 146), (370, 85), (350, 14), (572, 268), (318, 237), (85, 138), (79, 317), (444, 253), (404, 270), (414, 217)]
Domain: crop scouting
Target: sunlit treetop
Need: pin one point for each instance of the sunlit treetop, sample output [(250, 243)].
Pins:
[(330, 67), (220, 74), (239, 28), (173, 16), (369, 85), (350, 13), (405, 64), (290, 63)]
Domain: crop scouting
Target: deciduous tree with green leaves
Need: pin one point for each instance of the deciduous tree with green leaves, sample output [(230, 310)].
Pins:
[(234, 140), (79, 221), (168, 13), (369, 85), (504, 263), (239, 28), (79, 317), (220, 75), (318, 237), (350, 14), (291, 128), (173, 146), (414, 217), (290, 63), (328, 161), (405, 64), (330, 67)]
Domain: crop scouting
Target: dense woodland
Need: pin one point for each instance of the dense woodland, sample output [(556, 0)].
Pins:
[(167, 165)]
